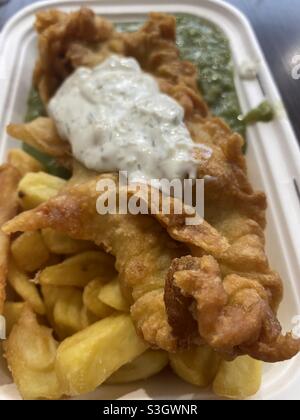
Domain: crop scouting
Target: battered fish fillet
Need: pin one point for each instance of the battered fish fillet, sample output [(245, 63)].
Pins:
[(143, 249), (9, 180), (226, 294), (233, 314)]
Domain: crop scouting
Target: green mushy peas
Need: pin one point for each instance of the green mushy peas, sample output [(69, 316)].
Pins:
[(263, 113), (204, 44)]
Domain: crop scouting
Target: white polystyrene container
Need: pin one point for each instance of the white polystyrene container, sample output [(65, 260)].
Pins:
[(273, 160)]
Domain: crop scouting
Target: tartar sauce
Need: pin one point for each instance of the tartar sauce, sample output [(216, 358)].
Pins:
[(116, 119)]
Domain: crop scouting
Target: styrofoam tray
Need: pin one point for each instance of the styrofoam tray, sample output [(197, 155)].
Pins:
[(273, 159)]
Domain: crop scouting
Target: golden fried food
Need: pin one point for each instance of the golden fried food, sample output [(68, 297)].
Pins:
[(24, 162), (143, 367), (9, 179), (42, 135), (244, 301), (25, 288), (30, 352), (61, 244), (58, 34), (30, 251), (51, 295), (143, 250), (238, 379), (197, 365), (85, 360), (111, 295), (35, 188), (126, 238), (12, 312), (233, 314), (91, 299), (225, 172), (70, 315), (79, 270)]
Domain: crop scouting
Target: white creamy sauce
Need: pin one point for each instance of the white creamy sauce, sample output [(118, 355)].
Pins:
[(116, 119)]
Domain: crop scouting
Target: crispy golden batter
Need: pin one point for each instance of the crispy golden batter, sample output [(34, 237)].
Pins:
[(143, 250), (229, 296), (58, 33), (199, 236), (9, 179), (227, 188), (24, 162), (42, 135), (233, 314)]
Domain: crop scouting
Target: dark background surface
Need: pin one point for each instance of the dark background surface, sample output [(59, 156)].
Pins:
[(277, 26)]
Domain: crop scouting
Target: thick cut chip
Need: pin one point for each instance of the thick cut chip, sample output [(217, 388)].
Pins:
[(238, 379), (79, 270), (12, 313), (61, 244), (198, 366), (148, 364), (70, 315), (51, 295), (92, 301), (30, 251), (111, 295), (36, 188), (30, 352), (26, 289), (85, 360)]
